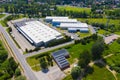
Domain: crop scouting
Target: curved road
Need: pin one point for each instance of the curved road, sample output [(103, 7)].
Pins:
[(28, 72)]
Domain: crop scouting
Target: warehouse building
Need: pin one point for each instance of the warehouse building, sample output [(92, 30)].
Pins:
[(36, 32), (60, 58), (50, 18), (57, 22), (74, 27)]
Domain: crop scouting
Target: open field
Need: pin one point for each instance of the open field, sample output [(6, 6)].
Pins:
[(77, 49), (99, 73), (116, 22), (74, 9)]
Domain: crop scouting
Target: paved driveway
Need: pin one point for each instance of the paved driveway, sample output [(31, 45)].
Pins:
[(54, 73)]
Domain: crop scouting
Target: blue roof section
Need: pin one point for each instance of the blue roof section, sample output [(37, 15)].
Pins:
[(59, 57), (86, 29), (78, 29), (63, 52)]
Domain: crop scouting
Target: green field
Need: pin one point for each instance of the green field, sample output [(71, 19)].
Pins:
[(77, 49), (99, 73), (2, 15), (104, 32), (82, 35), (74, 9), (101, 20)]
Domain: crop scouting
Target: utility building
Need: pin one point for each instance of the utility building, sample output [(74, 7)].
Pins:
[(60, 58), (37, 33)]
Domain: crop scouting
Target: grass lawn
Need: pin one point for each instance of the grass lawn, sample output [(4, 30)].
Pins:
[(99, 73), (68, 77), (82, 35), (2, 15), (113, 48), (75, 50), (101, 31), (118, 76), (113, 60), (75, 9), (3, 23)]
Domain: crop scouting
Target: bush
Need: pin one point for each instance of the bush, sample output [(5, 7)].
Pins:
[(76, 72), (83, 41), (118, 40)]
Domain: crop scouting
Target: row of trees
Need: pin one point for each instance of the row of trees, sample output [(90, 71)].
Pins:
[(8, 67), (60, 41)]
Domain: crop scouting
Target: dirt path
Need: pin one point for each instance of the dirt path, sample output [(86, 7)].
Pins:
[(106, 66)]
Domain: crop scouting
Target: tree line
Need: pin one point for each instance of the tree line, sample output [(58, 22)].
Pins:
[(8, 67)]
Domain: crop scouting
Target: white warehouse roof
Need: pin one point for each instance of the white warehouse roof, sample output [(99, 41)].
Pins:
[(64, 20), (73, 25), (56, 17), (39, 32)]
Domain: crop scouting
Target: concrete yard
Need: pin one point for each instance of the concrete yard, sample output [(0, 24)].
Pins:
[(111, 38), (54, 73)]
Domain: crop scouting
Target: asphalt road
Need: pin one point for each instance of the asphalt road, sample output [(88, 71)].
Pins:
[(92, 30), (6, 15), (21, 59), (48, 49)]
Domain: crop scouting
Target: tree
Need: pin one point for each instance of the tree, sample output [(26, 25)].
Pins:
[(84, 58), (94, 36), (3, 55), (75, 72), (97, 49), (21, 78), (118, 40), (17, 72), (12, 64), (43, 64)]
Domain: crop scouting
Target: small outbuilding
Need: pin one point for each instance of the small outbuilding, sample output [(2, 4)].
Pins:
[(60, 58)]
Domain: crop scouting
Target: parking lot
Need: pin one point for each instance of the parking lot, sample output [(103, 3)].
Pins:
[(23, 43), (54, 73)]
